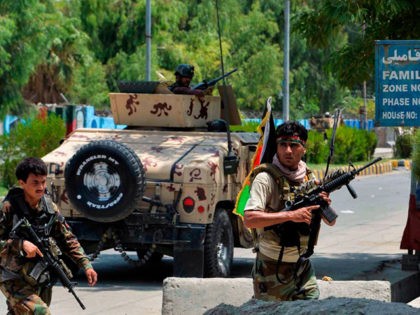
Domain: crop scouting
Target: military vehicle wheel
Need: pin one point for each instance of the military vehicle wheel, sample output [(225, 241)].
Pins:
[(218, 246), (105, 180)]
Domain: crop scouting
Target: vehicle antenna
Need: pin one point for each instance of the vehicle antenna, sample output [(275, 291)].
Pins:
[(230, 155), (337, 115)]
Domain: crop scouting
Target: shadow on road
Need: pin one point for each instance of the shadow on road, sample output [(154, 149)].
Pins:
[(113, 270)]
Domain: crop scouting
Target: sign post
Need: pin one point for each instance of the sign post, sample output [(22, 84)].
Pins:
[(397, 73)]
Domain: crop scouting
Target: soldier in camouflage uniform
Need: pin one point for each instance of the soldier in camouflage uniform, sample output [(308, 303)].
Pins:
[(184, 74), (276, 273), (19, 256)]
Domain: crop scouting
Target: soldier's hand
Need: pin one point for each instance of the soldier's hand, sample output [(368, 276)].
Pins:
[(91, 276), (325, 196), (304, 214), (209, 90), (6, 206), (198, 93), (31, 249)]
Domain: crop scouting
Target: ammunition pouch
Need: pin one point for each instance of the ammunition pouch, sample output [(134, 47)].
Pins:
[(37, 274), (290, 232)]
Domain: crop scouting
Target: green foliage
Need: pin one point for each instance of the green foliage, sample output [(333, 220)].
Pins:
[(44, 53), (34, 136), (322, 22), (317, 148), (416, 155), (90, 85), (249, 126), (351, 145), (82, 48), (23, 44), (351, 107), (404, 145)]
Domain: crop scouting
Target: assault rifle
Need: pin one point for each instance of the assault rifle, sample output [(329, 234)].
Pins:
[(206, 84), (310, 195), (49, 260), (307, 195)]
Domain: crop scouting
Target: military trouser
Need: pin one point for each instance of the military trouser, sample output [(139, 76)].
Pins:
[(23, 299), (293, 285)]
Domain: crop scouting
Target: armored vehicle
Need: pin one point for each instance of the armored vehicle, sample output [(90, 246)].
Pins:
[(164, 185)]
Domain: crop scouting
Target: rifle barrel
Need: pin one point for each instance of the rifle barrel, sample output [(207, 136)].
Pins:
[(368, 164), (205, 84), (77, 298)]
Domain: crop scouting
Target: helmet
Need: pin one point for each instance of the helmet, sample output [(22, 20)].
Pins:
[(185, 70)]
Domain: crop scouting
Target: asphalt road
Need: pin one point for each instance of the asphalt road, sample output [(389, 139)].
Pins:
[(366, 236)]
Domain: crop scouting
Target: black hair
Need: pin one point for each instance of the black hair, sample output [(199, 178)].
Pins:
[(30, 165), (292, 128)]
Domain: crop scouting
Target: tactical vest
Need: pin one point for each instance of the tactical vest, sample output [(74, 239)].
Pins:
[(41, 220), (34, 271), (289, 232), (278, 177)]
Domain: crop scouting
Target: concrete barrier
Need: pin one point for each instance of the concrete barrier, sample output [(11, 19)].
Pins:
[(192, 296)]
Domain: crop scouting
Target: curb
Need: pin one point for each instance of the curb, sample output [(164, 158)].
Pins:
[(376, 169)]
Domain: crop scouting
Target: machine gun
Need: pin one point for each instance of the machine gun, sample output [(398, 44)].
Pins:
[(206, 84), (49, 260)]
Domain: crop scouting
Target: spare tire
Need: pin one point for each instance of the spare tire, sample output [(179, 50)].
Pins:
[(105, 180)]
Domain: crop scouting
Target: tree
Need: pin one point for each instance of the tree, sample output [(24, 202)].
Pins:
[(365, 21), (23, 43), (81, 49), (43, 54)]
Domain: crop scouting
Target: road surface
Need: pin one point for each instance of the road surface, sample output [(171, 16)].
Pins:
[(367, 234)]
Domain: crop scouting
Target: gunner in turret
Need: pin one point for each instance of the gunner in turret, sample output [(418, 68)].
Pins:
[(184, 74)]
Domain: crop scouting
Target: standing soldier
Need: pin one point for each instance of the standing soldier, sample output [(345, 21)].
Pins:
[(278, 272), (26, 284)]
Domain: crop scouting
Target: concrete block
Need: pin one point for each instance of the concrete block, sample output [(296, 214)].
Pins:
[(196, 295)]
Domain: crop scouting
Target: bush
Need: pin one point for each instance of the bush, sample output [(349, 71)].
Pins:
[(247, 126), (34, 137), (404, 145), (317, 148), (351, 145)]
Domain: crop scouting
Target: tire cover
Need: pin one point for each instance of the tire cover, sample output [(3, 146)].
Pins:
[(105, 180)]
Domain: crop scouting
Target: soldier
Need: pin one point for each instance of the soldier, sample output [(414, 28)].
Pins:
[(26, 293), (184, 74), (276, 273)]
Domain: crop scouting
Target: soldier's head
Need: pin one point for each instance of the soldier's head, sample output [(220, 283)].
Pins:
[(184, 73), (291, 139), (32, 177)]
